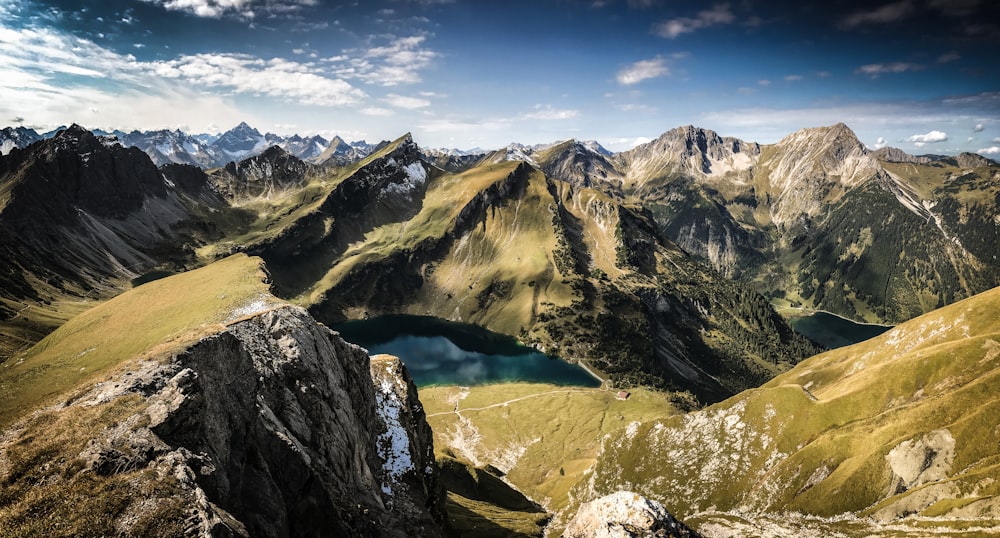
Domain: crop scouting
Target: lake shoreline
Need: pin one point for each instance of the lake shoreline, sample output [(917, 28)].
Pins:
[(804, 311)]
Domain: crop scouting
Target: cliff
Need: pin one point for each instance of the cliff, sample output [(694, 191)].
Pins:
[(272, 426)]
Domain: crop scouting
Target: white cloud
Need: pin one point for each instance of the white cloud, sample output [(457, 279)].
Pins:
[(643, 70), (398, 62), (546, 112), (277, 77), (931, 137), (402, 101), (978, 128), (719, 14), (992, 150), (764, 82), (376, 111), (793, 78), (625, 142), (886, 14), (244, 9), (874, 70), (881, 142)]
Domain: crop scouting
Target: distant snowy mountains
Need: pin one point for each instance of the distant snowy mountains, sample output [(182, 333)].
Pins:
[(243, 141), (206, 150)]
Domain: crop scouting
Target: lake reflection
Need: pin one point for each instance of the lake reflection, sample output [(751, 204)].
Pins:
[(433, 357)]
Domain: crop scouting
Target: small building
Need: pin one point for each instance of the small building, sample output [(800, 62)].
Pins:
[(623, 395)]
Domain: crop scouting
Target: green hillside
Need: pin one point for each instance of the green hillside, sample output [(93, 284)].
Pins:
[(149, 321), (901, 425)]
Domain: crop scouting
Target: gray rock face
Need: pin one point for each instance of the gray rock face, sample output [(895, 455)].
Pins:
[(276, 427), (625, 515)]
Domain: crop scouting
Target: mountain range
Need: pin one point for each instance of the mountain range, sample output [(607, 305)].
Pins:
[(205, 150), (659, 267)]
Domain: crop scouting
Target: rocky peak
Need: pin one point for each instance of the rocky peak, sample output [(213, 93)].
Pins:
[(76, 170), (272, 171), (973, 160), (812, 165), (896, 155), (270, 427), (690, 151), (625, 515), (17, 137)]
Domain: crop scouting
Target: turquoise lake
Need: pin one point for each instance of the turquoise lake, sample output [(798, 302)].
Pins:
[(834, 331), (439, 352)]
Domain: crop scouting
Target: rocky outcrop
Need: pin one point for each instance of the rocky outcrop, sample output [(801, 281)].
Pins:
[(688, 150), (896, 155), (270, 173), (271, 427), (625, 515)]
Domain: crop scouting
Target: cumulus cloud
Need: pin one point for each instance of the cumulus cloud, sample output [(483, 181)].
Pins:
[(643, 70), (992, 150), (931, 137), (55, 75), (410, 103), (276, 77), (673, 28), (978, 128), (398, 62), (546, 112), (881, 143), (875, 70)]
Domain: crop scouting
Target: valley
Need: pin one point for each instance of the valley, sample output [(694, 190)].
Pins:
[(676, 271)]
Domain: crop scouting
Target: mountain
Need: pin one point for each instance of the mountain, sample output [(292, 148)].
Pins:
[(817, 219), (897, 155), (502, 246), (238, 143), (338, 152), (109, 216), (452, 160), (963, 160), (201, 405), (170, 147), (16, 137), (271, 173), (898, 429), (306, 149)]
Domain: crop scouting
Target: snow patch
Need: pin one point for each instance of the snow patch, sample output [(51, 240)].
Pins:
[(254, 307), (415, 177), (393, 445)]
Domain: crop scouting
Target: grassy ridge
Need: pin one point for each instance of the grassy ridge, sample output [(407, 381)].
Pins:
[(151, 320), (830, 436)]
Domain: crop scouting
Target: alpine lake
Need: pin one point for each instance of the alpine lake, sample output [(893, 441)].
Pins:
[(832, 331), (440, 352), (446, 353)]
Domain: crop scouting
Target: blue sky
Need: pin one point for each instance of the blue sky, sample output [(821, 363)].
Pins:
[(917, 74)]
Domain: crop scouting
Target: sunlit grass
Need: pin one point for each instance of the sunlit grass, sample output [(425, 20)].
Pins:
[(152, 320)]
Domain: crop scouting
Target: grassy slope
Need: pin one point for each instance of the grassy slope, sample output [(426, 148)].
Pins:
[(151, 320), (545, 438), (486, 255), (776, 448)]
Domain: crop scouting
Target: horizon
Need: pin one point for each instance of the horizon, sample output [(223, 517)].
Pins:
[(912, 74), (470, 151)]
